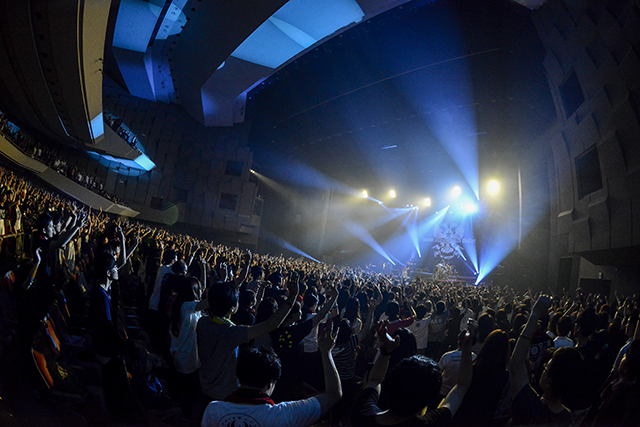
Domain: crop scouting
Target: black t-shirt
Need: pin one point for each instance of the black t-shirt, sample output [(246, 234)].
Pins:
[(366, 408), (287, 340), (528, 409)]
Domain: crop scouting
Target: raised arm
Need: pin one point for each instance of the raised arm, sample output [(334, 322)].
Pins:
[(517, 368), (367, 323), (465, 371), (245, 269), (32, 274), (332, 294), (379, 369), (67, 235), (333, 388), (123, 249)]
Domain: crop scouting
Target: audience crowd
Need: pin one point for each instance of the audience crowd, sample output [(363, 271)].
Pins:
[(121, 129), (52, 158), (228, 337)]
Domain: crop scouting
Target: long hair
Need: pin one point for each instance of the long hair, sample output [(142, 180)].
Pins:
[(494, 352), (352, 310)]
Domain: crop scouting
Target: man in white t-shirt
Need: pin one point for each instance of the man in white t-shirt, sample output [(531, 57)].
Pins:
[(450, 365), (420, 328), (258, 371), (564, 326)]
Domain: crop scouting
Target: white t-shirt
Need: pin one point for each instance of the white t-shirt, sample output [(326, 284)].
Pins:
[(420, 330), (184, 347), (561, 342), (154, 301), (298, 413), (450, 364)]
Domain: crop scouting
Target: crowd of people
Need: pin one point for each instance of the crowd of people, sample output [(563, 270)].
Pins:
[(235, 338), (52, 158), (124, 132)]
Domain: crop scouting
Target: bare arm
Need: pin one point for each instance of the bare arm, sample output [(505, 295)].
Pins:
[(65, 237), (379, 370), (32, 275), (465, 372), (367, 324), (518, 374), (333, 295), (245, 269), (333, 388), (123, 248)]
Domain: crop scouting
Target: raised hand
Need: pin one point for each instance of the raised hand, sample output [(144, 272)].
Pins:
[(388, 343)]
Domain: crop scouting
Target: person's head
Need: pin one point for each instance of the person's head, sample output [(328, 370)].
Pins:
[(223, 298), (486, 325), (586, 323), (57, 221), (257, 272), (630, 322), (564, 326), (45, 226), (258, 368), (295, 314), (421, 311), (310, 302), (494, 352), (562, 372), (363, 299), (343, 297), (501, 316), (352, 309), (247, 299), (179, 268), (429, 306), (105, 267), (411, 385), (275, 279), (344, 332), (440, 307), (408, 346), (169, 257), (265, 309), (553, 323), (392, 310), (518, 322)]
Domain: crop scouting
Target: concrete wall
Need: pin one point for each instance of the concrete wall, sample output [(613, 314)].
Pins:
[(190, 163), (599, 41)]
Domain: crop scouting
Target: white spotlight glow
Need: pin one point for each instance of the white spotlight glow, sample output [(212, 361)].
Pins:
[(392, 193), (365, 194), (456, 191), (493, 187), (427, 201), (470, 207)]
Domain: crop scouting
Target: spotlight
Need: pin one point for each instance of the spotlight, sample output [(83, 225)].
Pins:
[(470, 207), (365, 194), (427, 201), (392, 193), (493, 187), (456, 191)]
